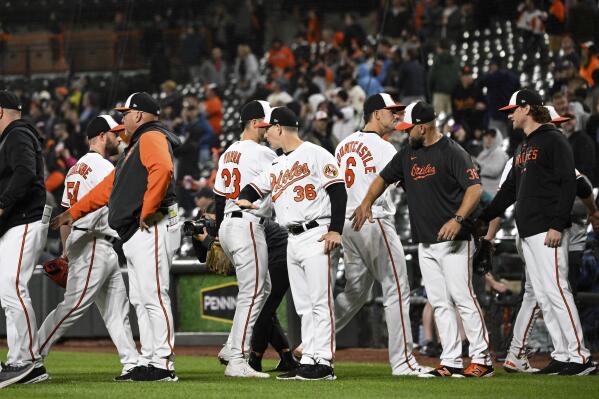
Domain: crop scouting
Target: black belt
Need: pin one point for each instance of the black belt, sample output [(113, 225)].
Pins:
[(239, 214), (299, 228), (110, 239)]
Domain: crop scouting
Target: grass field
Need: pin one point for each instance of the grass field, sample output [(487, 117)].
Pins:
[(89, 375)]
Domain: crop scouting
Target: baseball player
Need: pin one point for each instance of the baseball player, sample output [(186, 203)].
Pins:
[(443, 189), (542, 182), (24, 221), (309, 199), (142, 210), (375, 252), (94, 273), (242, 235)]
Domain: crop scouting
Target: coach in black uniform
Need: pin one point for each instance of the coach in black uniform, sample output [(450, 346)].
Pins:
[(443, 190), (23, 230)]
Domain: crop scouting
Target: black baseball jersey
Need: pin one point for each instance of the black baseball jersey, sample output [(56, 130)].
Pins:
[(435, 179)]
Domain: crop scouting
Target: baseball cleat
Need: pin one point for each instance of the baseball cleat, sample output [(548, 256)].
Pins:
[(479, 371), (292, 374), (514, 364), (287, 363), (11, 374), (38, 374), (151, 373), (127, 375), (240, 369), (444, 371), (224, 355), (316, 372), (415, 370), (587, 368), (553, 368)]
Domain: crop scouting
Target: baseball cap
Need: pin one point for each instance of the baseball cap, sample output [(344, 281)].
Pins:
[(280, 116), (320, 115), (140, 101), (381, 101), (256, 109), (416, 113), (9, 100), (101, 124), (522, 98), (555, 117)]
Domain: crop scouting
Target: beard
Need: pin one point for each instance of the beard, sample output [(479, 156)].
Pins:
[(416, 142), (112, 150)]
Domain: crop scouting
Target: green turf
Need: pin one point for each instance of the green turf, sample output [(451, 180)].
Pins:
[(89, 375)]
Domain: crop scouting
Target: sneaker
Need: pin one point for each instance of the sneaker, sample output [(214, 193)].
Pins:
[(416, 370), (127, 375), (476, 370), (444, 371), (513, 364), (255, 362), (224, 355), (587, 368), (11, 374), (38, 374), (292, 374), (287, 363), (151, 373), (553, 368), (430, 349), (240, 368), (316, 372)]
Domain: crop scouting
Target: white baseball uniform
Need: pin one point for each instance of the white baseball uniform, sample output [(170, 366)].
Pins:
[(375, 252), (242, 237), (94, 272), (297, 183)]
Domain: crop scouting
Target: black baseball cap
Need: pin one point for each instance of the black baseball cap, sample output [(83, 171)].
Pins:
[(416, 113), (256, 109), (381, 101), (9, 100), (141, 101), (280, 116), (102, 124), (522, 98)]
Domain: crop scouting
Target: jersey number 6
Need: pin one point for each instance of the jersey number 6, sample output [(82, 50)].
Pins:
[(235, 178), (350, 176), (309, 193)]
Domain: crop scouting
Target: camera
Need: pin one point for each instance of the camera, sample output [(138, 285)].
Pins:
[(194, 227)]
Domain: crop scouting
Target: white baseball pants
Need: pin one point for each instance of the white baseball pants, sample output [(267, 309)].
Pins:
[(310, 279), (20, 248), (548, 273), (94, 277), (375, 253), (446, 271), (244, 243), (149, 257)]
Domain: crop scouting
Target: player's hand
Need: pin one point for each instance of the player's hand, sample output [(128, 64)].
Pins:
[(143, 226), (449, 231), (360, 215), (245, 204), (553, 239), (593, 219), (202, 236), (331, 239), (64, 218)]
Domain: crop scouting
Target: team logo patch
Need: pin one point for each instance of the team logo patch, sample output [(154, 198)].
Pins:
[(331, 171)]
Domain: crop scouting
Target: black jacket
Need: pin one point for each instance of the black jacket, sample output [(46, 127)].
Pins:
[(22, 190), (542, 182)]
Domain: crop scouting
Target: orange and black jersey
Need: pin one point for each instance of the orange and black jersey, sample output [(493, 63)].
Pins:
[(435, 179), (141, 184), (542, 182)]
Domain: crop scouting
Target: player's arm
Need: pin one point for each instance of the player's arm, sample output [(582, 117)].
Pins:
[(258, 188), (93, 200), (338, 199), (584, 190), (505, 197), (156, 158), (494, 226)]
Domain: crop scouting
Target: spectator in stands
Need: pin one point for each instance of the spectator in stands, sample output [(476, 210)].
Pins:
[(354, 36), (152, 37), (313, 27), (246, 71), (193, 50), (566, 77), (531, 22), (432, 19), (171, 96), (280, 56), (344, 124), (356, 94), (399, 20), (279, 97), (160, 66), (214, 70), (304, 88), (412, 78), (589, 62), (460, 136), (451, 25), (213, 108), (583, 146), (319, 133), (367, 79), (556, 24), (581, 21), (563, 106), (468, 102), (90, 110), (491, 160), (500, 84), (443, 78), (568, 52)]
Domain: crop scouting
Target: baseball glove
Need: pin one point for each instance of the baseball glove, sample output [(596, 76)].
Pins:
[(216, 260), (57, 270), (483, 256)]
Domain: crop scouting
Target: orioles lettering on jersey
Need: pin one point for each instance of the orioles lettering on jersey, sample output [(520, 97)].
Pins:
[(422, 172), (287, 177), (361, 150), (530, 154)]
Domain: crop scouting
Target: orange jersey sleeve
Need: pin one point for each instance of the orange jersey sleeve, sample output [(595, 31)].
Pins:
[(154, 154), (95, 199), (54, 181)]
